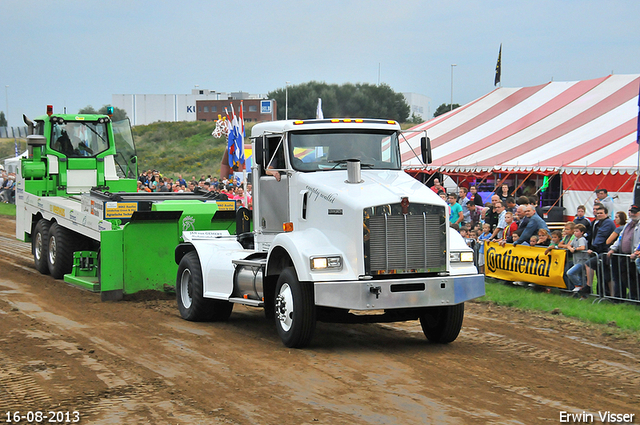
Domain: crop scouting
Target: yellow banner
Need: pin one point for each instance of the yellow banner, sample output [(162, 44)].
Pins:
[(525, 264)]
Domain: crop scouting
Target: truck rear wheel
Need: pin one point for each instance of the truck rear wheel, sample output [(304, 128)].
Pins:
[(442, 324), (39, 245), (60, 251), (192, 304), (295, 310)]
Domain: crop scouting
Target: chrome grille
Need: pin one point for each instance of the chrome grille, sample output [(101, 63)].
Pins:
[(406, 243)]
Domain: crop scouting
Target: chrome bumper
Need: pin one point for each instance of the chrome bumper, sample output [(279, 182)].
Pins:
[(399, 293)]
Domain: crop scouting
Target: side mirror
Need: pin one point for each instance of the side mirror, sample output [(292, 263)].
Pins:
[(425, 148), (258, 152)]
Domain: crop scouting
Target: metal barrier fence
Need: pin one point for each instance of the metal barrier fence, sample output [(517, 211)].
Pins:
[(13, 132), (624, 277), (617, 277)]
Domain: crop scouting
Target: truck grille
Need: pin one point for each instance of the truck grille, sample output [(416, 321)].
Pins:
[(404, 243)]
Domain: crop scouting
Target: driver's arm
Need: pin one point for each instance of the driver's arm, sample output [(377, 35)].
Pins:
[(270, 171)]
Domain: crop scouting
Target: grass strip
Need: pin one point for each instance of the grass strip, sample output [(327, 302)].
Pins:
[(625, 315), (7, 209)]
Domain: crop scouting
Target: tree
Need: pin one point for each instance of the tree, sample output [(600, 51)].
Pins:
[(415, 119), (118, 114), (347, 100), (3, 119), (87, 110), (444, 108)]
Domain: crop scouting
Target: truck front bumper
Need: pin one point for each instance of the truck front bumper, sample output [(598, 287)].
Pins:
[(399, 293)]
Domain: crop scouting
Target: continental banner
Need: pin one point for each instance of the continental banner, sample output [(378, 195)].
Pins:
[(525, 264)]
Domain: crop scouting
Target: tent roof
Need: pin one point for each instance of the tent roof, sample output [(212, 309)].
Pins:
[(572, 127)]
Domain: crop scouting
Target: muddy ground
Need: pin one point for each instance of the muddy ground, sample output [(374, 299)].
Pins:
[(138, 362)]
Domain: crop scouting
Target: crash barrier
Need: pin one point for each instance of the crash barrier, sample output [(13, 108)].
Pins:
[(617, 277), (624, 284), (13, 132)]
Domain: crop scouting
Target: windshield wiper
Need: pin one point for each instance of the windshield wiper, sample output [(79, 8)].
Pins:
[(95, 132)]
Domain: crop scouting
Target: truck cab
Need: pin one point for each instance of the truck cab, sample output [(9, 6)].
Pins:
[(80, 152), (339, 227)]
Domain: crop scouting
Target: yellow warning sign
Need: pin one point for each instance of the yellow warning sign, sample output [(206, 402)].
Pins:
[(226, 205), (120, 209)]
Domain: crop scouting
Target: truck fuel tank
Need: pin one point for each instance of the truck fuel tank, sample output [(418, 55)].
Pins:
[(248, 279)]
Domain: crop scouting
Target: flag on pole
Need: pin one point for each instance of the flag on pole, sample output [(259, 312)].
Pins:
[(15, 141), (638, 131), (319, 114), (235, 144), (498, 67), (241, 135)]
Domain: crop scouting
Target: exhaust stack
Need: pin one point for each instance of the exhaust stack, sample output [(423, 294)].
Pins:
[(353, 171)]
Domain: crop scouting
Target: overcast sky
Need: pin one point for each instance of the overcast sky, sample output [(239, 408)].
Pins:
[(75, 53)]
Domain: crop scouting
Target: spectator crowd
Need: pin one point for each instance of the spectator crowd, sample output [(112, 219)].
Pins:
[(231, 188), (7, 187), (608, 245)]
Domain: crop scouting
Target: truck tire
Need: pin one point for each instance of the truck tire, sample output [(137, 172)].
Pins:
[(442, 324), (295, 310), (60, 249), (39, 245), (189, 294)]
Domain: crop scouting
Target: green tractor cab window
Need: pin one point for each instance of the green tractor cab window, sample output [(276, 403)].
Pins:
[(78, 139)]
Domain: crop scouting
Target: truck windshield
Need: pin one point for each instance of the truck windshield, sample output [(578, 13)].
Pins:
[(317, 151), (77, 139)]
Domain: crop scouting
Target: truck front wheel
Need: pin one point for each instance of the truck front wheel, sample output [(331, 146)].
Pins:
[(442, 324), (59, 251), (295, 310), (192, 304), (39, 246)]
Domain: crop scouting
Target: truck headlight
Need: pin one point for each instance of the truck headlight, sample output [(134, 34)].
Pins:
[(322, 263), (461, 257)]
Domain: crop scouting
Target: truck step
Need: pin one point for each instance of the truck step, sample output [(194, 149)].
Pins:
[(247, 301), (90, 283), (251, 263)]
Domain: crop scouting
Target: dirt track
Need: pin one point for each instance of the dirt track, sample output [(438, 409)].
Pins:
[(132, 362)]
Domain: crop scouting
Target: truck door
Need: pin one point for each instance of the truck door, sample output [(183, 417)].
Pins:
[(274, 195), (125, 158)]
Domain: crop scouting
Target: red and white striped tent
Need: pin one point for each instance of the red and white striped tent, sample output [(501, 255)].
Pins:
[(584, 131)]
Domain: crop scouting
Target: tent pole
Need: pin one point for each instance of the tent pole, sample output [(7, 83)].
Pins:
[(620, 188), (520, 185)]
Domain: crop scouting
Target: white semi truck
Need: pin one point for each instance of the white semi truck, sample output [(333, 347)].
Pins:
[(339, 230)]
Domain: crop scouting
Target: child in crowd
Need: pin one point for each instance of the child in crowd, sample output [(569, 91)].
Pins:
[(515, 238), (543, 237), (556, 238), (485, 236), (533, 241), (581, 219), (465, 234), (567, 235), (578, 247), (511, 227)]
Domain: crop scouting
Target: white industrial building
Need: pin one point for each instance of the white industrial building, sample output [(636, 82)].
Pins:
[(419, 104), (145, 109)]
